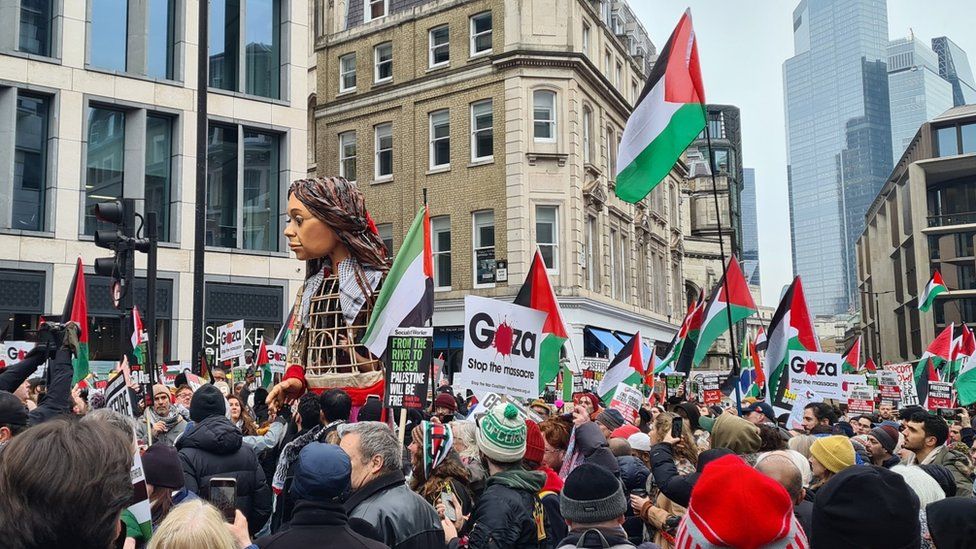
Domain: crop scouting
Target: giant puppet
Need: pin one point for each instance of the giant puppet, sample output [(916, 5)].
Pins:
[(329, 228)]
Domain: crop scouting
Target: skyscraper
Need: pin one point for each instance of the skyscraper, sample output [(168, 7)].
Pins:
[(838, 139), (954, 67), (750, 229), (916, 91)]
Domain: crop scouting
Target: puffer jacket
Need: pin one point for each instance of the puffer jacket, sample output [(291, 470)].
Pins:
[(214, 448), (505, 517), (400, 515)]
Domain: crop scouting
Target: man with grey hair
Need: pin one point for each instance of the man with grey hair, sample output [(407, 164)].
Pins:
[(380, 495), (779, 467)]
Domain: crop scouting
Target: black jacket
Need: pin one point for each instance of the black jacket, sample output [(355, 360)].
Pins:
[(804, 514), (315, 524), (400, 515), (57, 399), (674, 486), (214, 448), (505, 517), (633, 473), (593, 538), (593, 445)]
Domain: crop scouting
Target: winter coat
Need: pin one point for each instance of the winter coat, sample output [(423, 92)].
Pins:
[(56, 400), (736, 434), (315, 523), (175, 425), (401, 516), (214, 448), (594, 538), (804, 515), (633, 473), (506, 515), (957, 463), (674, 486), (591, 443), (656, 515), (550, 503)]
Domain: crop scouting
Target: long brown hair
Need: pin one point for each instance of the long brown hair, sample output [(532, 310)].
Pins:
[(340, 205), (688, 449), (249, 428)]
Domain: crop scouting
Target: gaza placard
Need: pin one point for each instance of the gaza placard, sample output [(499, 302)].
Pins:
[(817, 373)]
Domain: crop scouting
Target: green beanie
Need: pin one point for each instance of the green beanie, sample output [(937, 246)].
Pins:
[(501, 434)]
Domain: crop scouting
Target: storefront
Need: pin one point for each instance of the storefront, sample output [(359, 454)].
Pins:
[(602, 343), (21, 302), (261, 307)]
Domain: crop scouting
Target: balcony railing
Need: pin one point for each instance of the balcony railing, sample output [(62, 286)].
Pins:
[(945, 220)]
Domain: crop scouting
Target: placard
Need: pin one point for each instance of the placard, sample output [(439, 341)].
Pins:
[(849, 381), (818, 373), (627, 400), (860, 400), (591, 375), (940, 395), (906, 382), (407, 370), (195, 381), (711, 389), (888, 388), (276, 358), (674, 385), (501, 348), (231, 339), (14, 351), (491, 399), (139, 505), (117, 396), (795, 421)]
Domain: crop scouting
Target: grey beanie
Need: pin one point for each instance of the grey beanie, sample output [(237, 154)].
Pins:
[(610, 418), (592, 495)]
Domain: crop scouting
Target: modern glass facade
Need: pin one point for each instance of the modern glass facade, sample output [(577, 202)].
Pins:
[(838, 139), (916, 91), (750, 228), (954, 67)]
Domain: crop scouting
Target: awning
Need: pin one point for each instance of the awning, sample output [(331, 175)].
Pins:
[(625, 337), (608, 340)]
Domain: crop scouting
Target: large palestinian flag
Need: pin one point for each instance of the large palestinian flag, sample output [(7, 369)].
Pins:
[(791, 328), (406, 299), (627, 367), (852, 358), (965, 381), (731, 303), (935, 287), (669, 115), (677, 357), (76, 309), (536, 293), (937, 356)]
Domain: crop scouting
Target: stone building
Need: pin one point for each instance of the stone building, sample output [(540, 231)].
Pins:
[(508, 114)]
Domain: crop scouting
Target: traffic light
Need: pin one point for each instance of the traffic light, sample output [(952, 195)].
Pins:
[(122, 240)]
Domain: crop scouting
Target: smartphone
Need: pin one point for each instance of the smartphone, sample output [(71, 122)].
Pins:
[(676, 427), (447, 499), (223, 496), (640, 492)]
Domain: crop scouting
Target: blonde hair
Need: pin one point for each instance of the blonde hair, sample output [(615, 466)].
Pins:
[(801, 444), (688, 450), (194, 524), (463, 431)]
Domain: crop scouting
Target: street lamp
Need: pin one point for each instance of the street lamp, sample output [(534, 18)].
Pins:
[(877, 318)]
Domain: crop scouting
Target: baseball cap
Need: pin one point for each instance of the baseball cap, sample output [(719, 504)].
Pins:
[(760, 406), (12, 410)]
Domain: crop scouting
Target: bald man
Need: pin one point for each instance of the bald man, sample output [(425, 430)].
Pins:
[(781, 468)]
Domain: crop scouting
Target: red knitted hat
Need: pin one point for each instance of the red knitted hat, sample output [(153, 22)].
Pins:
[(535, 446), (624, 431), (728, 495)]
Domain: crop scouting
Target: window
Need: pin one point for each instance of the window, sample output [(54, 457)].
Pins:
[(384, 152), (481, 33), (253, 192), (484, 248), (383, 63), (590, 253), (482, 133), (36, 18), (347, 72), (587, 135), (547, 236), (624, 280), (544, 115), (347, 155), (611, 153), (439, 46), (385, 231), (440, 139), (968, 132), (607, 60), (374, 9), (108, 34), (586, 39), (246, 33), (105, 162), (30, 163), (634, 92), (618, 78), (161, 39), (614, 253), (159, 171), (440, 233)]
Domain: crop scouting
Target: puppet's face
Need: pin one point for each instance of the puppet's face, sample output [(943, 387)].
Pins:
[(308, 236)]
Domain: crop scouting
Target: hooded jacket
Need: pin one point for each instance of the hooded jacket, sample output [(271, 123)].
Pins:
[(214, 448), (312, 523), (591, 443), (955, 462), (736, 434), (400, 515), (506, 513)]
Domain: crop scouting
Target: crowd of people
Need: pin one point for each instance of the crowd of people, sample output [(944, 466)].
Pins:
[(540, 474)]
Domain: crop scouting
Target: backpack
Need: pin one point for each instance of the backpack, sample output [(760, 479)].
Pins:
[(603, 541)]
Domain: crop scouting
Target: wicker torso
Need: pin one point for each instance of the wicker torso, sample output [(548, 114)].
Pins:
[(316, 346)]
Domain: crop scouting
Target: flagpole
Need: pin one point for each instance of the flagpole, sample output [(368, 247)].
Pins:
[(721, 243), (430, 367)]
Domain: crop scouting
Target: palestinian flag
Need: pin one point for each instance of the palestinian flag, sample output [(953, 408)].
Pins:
[(139, 336), (627, 367), (536, 293), (682, 339), (262, 364), (76, 310), (791, 328), (406, 299), (935, 287), (966, 381), (730, 304), (870, 366), (852, 358), (761, 340), (924, 373), (669, 114), (935, 357), (964, 351)]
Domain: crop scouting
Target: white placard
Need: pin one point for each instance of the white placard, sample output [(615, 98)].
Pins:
[(906, 382), (231, 339), (818, 373), (501, 348), (276, 358), (14, 351), (117, 396), (627, 400)]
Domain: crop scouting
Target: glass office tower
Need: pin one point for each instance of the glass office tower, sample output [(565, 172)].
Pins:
[(916, 91), (750, 229), (954, 67)]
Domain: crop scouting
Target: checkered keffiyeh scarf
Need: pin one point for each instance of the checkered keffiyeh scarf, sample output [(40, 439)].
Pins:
[(351, 295)]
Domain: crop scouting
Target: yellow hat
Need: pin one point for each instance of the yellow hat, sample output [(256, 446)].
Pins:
[(835, 453)]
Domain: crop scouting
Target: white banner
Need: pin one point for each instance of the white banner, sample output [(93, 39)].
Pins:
[(231, 339), (818, 373), (795, 421), (14, 351), (276, 358), (491, 399), (501, 348), (627, 400), (906, 382), (849, 381)]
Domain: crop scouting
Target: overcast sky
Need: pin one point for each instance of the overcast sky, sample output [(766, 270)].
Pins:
[(742, 45)]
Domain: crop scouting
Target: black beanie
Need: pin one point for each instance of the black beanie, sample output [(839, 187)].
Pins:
[(372, 410), (162, 467), (892, 520), (207, 401), (592, 495)]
